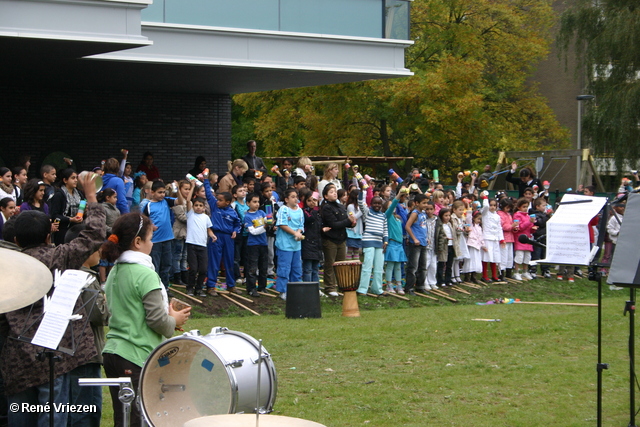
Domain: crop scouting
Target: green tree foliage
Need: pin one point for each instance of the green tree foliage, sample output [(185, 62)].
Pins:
[(468, 99), (606, 36)]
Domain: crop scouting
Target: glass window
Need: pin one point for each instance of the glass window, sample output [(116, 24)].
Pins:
[(396, 14), (359, 18)]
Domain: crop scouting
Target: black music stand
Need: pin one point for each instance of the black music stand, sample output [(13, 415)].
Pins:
[(625, 272), (594, 275), (46, 353)]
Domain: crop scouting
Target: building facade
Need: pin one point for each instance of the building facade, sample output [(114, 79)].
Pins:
[(87, 78)]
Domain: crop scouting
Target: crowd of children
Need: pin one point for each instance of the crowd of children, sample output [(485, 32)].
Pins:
[(250, 227)]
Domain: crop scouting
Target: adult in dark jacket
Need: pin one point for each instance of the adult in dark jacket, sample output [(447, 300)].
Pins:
[(254, 162), (110, 179), (334, 215), (526, 179)]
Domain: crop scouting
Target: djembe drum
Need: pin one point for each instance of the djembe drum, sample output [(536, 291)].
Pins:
[(348, 278)]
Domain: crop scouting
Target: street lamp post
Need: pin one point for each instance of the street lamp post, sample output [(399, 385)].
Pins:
[(580, 98)]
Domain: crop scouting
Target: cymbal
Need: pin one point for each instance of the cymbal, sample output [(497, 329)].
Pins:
[(249, 420), (23, 280)]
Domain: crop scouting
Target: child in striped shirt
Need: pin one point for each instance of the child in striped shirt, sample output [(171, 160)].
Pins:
[(374, 242)]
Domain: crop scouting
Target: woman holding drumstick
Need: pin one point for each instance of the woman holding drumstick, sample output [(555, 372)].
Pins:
[(141, 316)]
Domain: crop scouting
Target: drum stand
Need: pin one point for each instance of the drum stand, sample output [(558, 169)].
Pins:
[(126, 395)]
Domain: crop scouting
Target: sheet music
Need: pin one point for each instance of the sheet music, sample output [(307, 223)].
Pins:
[(569, 245), (568, 230), (51, 330), (59, 309)]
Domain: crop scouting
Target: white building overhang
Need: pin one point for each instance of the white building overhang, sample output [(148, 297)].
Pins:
[(229, 60), (43, 30), (103, 44)]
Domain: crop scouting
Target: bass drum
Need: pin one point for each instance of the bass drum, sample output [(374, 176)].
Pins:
[(193, 376)]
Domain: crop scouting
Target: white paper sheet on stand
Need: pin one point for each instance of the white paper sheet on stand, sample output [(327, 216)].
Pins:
[(568, 230), (59, 308)]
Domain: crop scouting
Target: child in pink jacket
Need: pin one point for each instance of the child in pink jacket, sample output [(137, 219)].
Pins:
[(525, 225)]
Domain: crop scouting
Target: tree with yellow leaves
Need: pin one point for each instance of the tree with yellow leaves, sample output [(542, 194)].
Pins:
[(469, 97)]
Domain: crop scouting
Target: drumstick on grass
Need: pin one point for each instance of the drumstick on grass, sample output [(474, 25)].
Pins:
[(247, 299), (398, 296), (185, 295), (239, 304), (223, 292), (426, 296), (462, 291)]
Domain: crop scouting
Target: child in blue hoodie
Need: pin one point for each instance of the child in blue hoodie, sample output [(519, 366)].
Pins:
[(226, 225)]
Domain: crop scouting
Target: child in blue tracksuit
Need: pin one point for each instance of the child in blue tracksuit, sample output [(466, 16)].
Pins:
[(226, 225), (290, 225), (257, 251)]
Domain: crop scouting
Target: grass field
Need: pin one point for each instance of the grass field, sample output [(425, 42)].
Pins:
[(429, 364)]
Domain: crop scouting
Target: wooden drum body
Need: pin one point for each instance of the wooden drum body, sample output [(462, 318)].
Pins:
[(347, 275), (348, 279)]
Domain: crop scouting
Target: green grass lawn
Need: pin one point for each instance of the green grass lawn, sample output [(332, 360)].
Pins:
[(428, 364)]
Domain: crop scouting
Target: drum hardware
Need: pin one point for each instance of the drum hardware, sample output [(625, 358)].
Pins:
[(265, 355), (173, 387), (126, 395), (235, 363)]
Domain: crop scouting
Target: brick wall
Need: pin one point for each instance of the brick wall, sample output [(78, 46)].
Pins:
[(92, 125)]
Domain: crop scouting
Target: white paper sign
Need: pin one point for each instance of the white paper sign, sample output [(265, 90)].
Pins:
[(59, 309), (568, 230)]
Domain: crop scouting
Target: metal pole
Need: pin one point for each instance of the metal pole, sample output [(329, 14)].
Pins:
[(580, 98), (632, 347), (579, 143)]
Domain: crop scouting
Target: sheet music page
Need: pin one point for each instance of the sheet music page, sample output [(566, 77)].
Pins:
[(67, 289), (51, 330), (60, 308), (569, 244), (568, 230)]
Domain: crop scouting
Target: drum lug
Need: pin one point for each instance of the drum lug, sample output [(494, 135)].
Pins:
[(265, 356), (235, 363), (193, 333), (218, 330)]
